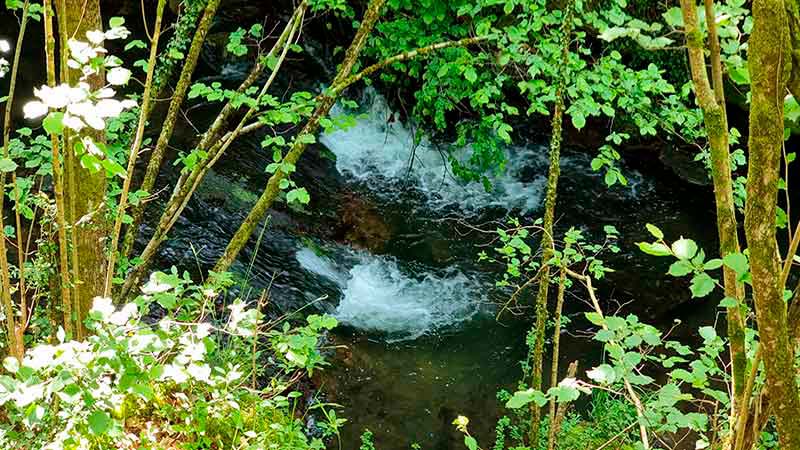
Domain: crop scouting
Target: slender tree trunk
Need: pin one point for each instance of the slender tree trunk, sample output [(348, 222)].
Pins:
[(768, 64), (168, 126), (712, 103), (556, 411), (187, 184), (64, 269), (547, 226), (324, 104), (144, 113), (85, 192), (15, 330)]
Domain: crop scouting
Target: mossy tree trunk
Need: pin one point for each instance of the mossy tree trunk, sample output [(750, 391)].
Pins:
[(553, 174), (85, 190), (324, 104), (770, 65), (712, 103), (168, 125)]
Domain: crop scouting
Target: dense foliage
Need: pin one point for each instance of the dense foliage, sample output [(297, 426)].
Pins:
[(100, 352)]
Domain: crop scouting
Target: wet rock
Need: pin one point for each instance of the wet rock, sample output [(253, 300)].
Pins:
[(361, 225), (682, 163)]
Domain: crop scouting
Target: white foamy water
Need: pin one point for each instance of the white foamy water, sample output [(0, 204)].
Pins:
[(377, 296), (379, 147)]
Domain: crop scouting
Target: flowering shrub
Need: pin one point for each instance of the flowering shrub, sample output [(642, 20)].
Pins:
[(137, 385), (78, 107)]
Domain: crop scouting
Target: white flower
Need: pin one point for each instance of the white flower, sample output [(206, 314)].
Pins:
[(39, 356), (87, 71), (73, 122), (5, 47), (174, 373), (57, 97), (92, 148), (573, 383), (153, 286), (195, 351), (25, 394), (108, 107), (34, 109), (203, 330), (128, 104), (96, 36), (82, 52), (81, 108), (125, 314), (118, 33), (105, 93), (103, 306), (88, 112), (94, 121), (79, 93), (200, 372), (118, 76)]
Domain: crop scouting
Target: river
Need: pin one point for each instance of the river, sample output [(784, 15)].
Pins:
[(390, 250)]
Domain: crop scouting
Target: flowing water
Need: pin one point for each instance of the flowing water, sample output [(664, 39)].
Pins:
[(418, 342)]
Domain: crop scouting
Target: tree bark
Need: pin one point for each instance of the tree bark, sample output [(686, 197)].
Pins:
[(712, 103), (553, 174), (769, 65), (85, 190), (168, 126), (324, 104)]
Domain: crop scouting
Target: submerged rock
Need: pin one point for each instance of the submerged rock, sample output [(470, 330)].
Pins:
[(362, 225), (682, 163)]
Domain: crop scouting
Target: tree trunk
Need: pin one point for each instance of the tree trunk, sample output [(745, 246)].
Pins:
[(85, 190), (168, 125), (324, 104), (547, 234), (768, 64), (712, 103)]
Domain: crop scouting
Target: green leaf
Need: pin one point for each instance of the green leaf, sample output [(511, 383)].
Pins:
[(673, 17), (708, 333), (654, 230), (471, 443), (603, 374), (578, 120), (611, 178), (470, 74), (522, 398), (655, 249), (115, 22), (99, 422), (702, 285), (684, 248), (640, 380), (728, 302), (7, 165), (604, 335), (595, 318), (54, 122), (680, 268), (299, 195), (564, 394), (712, 264), (737, 262), (135, 44)]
